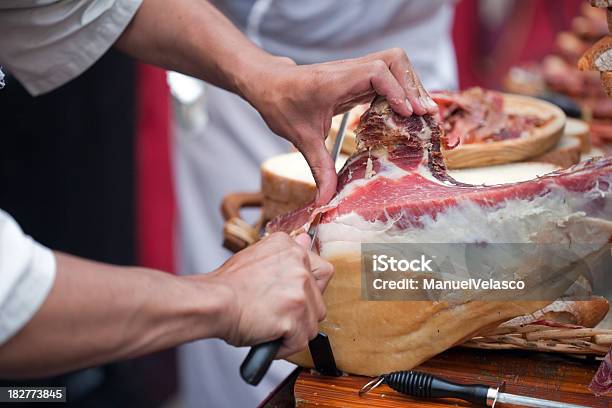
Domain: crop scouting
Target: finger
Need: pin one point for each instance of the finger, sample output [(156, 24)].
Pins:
[(420, 105), (424, 96), (360, 100), (385, 84), (303, 240), (316, 303), (316, 311), (323, 169), (304, 327), (293, 342), (400, 66), (289, 348), (289, 340), (322, 271), (402, 70)]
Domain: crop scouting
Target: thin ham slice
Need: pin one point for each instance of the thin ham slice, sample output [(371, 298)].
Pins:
[(477, 115)]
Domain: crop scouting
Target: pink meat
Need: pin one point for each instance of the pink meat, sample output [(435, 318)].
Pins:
[(477, 115), (425, 189)]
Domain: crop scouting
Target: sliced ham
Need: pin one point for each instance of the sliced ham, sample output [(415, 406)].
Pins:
[(477, 115)]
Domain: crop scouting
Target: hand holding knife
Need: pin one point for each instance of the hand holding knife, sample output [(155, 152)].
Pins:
[(257, 362)]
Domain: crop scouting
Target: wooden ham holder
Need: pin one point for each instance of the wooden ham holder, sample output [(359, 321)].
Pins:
[(237, 233)]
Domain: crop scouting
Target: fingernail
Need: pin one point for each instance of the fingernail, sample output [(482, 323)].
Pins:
[(431, 102), (423, 102), (408, 106)]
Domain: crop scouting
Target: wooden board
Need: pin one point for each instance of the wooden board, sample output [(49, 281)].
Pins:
[(539, 375)]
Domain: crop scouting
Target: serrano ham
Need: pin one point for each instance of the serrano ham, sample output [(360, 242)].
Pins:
[(395, 189)]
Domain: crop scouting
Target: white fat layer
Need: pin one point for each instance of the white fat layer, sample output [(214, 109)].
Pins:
[(369, 170), (387, 170), (423, 171), (389, 122), (503, 173), (554, 217), (425, 133), (595, 152)]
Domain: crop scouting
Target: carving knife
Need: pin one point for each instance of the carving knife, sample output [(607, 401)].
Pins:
[(335, 153), (320, 348), (257, 362)]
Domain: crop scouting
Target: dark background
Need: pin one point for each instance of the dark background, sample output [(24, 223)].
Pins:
[(68, 175)]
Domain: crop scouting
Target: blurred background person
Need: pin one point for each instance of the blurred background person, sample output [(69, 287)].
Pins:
[(222, 130)]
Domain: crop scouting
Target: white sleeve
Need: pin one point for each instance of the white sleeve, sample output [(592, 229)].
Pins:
[(27, 272), (47, 43)]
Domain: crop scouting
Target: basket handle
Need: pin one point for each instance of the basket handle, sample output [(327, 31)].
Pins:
[(237, 233)]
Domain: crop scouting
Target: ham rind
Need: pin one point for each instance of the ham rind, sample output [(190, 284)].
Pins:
[(395, 189), (602, 382)]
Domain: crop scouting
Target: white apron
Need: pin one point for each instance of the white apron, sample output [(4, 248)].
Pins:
[(223, 154)]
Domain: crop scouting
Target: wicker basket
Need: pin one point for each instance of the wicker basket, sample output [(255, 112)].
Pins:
[(546, 336)]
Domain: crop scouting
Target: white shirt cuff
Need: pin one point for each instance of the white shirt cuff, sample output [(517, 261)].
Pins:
[(26, 277)]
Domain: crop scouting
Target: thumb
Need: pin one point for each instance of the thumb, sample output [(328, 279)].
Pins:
[(303, 240), (321, 269), (323, 170)]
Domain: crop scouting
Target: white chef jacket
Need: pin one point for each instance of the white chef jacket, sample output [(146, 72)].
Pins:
[(223, 156), (44, 44)]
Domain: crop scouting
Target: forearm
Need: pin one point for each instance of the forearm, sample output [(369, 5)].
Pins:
[(296, 102), (193, 37), (98, 313)]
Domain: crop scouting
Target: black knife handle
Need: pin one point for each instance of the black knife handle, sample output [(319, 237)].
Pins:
[(424, 385), (257, 362)]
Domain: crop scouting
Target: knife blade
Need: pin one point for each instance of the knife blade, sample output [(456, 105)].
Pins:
[(335, 153), (320, 347)]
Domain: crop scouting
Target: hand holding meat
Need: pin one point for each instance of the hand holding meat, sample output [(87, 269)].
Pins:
[(276, 288), (298, 102)]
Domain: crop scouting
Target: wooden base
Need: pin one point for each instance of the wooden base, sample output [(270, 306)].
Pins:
[(553, 377)]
